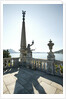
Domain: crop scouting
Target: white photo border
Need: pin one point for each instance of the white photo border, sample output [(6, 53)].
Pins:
[(32, 95)]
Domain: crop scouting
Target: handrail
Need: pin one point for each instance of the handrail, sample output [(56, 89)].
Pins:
[(52, 67)]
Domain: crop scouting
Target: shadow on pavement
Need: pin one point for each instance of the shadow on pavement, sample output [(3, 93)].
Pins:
[(27, 82)]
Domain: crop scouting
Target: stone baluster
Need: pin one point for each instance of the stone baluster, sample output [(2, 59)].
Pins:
[(37, 64), (45, 66), (11, 62), (41, 65), (14, 62), (7, 62), (34, 64), (3, 63)]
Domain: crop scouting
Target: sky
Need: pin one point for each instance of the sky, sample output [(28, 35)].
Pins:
[(42, 23)]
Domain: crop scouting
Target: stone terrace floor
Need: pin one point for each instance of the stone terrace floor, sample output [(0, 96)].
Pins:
[(27, 81)]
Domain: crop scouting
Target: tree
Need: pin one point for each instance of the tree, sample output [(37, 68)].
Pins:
[(6, 54)]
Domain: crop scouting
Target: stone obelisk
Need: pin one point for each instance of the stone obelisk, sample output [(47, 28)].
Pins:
[(23, 40)]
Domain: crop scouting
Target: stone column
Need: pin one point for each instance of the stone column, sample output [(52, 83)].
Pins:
[(25, 52), (50, 58), (23, 41)]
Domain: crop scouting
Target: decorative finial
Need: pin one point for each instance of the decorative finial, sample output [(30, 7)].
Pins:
[(50, 44), (23, 12)]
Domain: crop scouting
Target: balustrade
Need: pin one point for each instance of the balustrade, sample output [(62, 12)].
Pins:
[(39, 64), (10, 62), (55, 67)]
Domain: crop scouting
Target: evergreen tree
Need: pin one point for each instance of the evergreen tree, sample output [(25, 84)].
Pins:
[(6, 54)]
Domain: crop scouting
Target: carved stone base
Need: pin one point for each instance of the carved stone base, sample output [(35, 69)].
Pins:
[(28, 59), (50, 63), (50, 67), (51, 56)]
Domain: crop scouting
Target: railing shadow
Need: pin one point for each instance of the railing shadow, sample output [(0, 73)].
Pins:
[(10, 70)]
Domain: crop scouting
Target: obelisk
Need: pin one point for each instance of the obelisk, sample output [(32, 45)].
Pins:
[(23, 39)]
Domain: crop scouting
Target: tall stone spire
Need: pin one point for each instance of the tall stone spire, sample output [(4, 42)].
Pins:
[(23, 34), (23, 38)]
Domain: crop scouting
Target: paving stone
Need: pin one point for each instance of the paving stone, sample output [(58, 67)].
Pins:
[(35, 91), (34, 82), (15, 78), (22, 81), (4, 88), (6, 92), (25, 76), (27, 81), (29, 73), (40, 89), (14, 88), (29, 87), (41, 79), (48, 88), (7, 75), (57, 85), (58, 91), (14, 73), (9, 79)]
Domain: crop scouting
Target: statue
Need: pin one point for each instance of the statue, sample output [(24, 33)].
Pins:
[(23, 12), (28, 47)]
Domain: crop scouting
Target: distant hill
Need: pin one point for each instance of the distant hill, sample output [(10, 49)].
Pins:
[(59, 51), (11, 51)]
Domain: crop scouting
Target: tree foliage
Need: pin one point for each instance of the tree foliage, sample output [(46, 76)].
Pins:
[(6, 54)]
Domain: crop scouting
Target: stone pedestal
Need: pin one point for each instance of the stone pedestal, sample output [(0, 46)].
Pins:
[(23, 57), (50, 58), (50, 63), (28, 59)]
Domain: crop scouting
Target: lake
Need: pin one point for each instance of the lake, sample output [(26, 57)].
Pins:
[(40, 55)]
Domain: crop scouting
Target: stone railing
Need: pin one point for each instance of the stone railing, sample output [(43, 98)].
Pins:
[(50, 67), (40, 64), (10, 62)]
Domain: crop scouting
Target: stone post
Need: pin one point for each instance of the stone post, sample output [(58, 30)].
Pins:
[(50, 58)]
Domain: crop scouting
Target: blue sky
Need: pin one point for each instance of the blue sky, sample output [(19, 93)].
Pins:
[(42, 21)]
